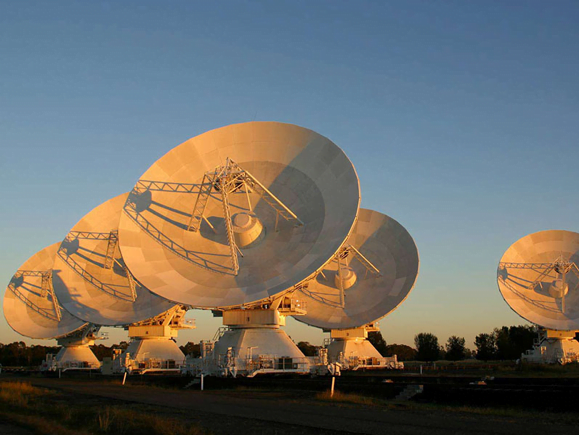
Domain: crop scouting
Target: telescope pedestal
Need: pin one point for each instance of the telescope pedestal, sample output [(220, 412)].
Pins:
[(76, 357), (553, 347), (75, 353), (253, 344), (152, 348), (351, 349)]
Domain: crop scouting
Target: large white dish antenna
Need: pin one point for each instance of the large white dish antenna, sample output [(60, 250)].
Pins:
[(539, 279), (181, 240), (90, 278), (378, 265), (30, 306)]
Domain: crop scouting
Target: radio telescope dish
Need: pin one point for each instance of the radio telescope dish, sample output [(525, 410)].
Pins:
[(538, 277), (30, 306), (239, 214), (89, 275), (378, 265)]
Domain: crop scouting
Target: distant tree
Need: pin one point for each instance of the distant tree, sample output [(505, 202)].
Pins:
[(486, 347), (191, 349), (101, 351), (455, 350), (502, 342), (468, 353), (122, 345), (427, 347), (307, 348), (375, 337), (522, 338), (402, 352), (513, 340), (18, 354)]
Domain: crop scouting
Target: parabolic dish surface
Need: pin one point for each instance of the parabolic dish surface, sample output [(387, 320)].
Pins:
[(29, 312), (536, 304), (89, 290), (306, 171), (389, 247)]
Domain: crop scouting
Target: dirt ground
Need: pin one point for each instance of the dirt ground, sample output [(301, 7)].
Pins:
[(276, 412)]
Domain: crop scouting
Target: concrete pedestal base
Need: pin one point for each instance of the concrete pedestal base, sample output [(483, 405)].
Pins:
[(351, 349), (553, 347), (76, 358)]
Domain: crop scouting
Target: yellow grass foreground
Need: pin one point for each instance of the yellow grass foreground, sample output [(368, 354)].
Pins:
[(46, 412)]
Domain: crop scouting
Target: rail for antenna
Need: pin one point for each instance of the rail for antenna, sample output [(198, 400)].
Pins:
[(173, 317), (199, 209), (45, 289), (229, 227), (342, 254), (524, 265), (160, 186), (227, 179), (111, 249), (88, 235), (526, 298), (340, 282), (362, 259), (560, 266), (234, 178), (541, 276), (108, 262), (190, 256), (269, 197)]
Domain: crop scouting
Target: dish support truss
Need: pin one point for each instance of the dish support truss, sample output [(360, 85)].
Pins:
[(173, 318), (561, 266), (343, 258), (224, 180), (46, 290), (109, 260)]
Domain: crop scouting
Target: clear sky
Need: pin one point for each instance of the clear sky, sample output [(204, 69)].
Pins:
[(461, 119)]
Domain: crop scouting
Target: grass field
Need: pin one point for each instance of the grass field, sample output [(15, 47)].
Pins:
[(89, 406), (48, 411)]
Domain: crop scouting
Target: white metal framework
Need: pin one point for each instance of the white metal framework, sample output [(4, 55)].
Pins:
[(111, 257), (224, 180), (46, 290), (561, 266), (343, 259)]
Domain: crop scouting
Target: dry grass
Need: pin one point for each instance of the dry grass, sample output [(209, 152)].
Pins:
[(20, 393), (49, 412), (117, 420), (346, 398)]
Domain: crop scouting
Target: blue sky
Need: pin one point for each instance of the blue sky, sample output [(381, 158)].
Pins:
[(460, 118)]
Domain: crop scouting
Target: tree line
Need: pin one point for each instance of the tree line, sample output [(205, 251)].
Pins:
[(505, 343), (18, 354)]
